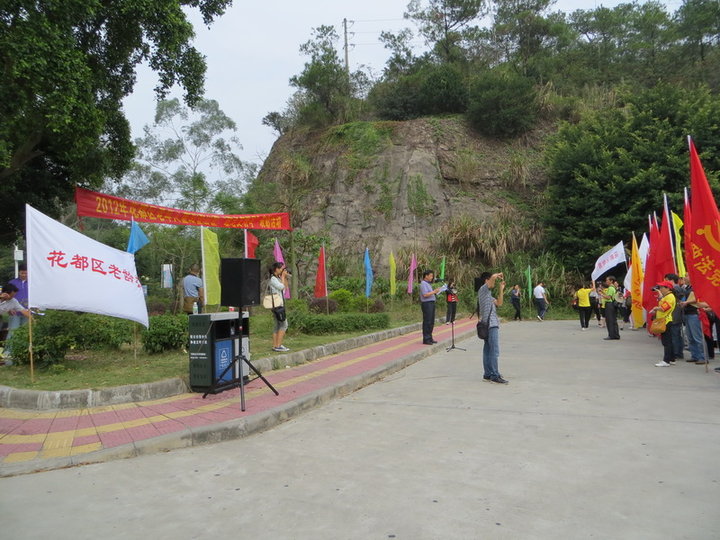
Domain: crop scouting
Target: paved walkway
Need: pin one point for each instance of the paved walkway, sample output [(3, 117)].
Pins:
[(39, 440)]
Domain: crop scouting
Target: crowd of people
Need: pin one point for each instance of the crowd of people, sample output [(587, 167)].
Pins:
[(683, 322)]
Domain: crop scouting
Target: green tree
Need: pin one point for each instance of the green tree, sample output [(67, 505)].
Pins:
[(443, 22), (608, 172), (184, 156), (502, 103), (66, 68)]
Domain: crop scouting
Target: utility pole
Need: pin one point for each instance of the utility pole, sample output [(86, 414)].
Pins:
[(347, 62)]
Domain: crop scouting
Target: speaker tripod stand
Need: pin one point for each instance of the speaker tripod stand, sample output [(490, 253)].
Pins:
[(219, 384), (452, 339)]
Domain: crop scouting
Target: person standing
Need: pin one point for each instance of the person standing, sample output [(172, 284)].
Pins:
[(608, 298), (487, 310), (277, 285), (427, 304), (676, 325), (452, 302), (664, 310), (695, 335), (17, 319), (8, 304), (541, 300), (595, 302), (515, 294), (583, 303), (193, 292)]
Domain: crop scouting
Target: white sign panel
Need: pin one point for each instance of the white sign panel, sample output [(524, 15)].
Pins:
[(73, 272)]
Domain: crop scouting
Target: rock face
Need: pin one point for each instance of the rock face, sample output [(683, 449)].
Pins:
[(391, 185)]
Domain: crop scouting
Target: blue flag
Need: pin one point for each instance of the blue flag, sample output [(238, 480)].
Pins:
[(368, 274), (137, 238)]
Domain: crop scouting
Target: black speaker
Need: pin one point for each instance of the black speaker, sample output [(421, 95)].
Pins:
[(240, 282), (478, 283)]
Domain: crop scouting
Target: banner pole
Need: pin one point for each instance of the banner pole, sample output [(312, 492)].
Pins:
[(30, 347)]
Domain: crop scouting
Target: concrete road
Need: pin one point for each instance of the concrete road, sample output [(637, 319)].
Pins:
[(589, 440)]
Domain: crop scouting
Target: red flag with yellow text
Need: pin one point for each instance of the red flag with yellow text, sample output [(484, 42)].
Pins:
[(703, 249)]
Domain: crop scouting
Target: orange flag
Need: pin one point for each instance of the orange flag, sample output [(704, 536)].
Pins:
[(703, 250), (636, 286)]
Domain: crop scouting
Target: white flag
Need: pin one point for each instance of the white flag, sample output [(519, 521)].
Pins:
[(73, 272), (607, 260), (644, 249)]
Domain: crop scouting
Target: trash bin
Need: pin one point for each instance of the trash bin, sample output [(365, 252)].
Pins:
[(214, 341)]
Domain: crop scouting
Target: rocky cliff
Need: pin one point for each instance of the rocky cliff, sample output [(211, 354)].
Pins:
[(390, 185)]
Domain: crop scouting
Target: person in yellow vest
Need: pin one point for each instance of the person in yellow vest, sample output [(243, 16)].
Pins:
[(664, 310), (583, 304)]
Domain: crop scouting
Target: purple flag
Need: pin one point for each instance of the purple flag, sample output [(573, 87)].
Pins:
[(277, 253)]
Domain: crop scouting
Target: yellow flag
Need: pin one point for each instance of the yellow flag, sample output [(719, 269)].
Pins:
[(211, 267), (678, 224), (636, 285), (392, 274)]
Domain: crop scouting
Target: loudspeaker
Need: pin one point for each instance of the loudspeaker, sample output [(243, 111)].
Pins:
[(478, 283), (240, 282)]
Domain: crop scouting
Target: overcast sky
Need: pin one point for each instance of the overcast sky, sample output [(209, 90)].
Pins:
[(252, 51)]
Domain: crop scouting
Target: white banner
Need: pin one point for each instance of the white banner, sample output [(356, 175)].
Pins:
[(609, 259), (73, 272)]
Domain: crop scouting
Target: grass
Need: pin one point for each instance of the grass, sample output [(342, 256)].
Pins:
[(100, 369)]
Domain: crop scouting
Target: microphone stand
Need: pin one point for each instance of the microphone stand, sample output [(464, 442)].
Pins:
[(452, 338)]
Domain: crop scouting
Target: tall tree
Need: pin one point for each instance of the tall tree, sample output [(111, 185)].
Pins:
[(442, 23), (188, 159), (67, 65)]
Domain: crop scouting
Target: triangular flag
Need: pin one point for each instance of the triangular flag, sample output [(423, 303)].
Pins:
[(636, 286), (393, 270), (251, 242), (137, 238), (369, 277), (211, 266), (278, 255), (442, 269), (321, 278)]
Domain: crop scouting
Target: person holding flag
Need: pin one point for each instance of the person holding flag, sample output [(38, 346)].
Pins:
[(664, 310)]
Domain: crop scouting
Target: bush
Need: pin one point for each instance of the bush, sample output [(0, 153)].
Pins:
[(166, 332), (343, 298), (378, 306), (322, 305), (442, 90), (51, 341), (93, 332), (502, 104), (337, 323)]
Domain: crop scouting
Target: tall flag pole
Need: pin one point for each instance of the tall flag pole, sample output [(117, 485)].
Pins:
[(636, 286), (703, 250), (687, 216), (665, 261), (651, 279)]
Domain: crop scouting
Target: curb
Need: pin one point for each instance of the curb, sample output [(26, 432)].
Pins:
[(42, 400), (234, 429)]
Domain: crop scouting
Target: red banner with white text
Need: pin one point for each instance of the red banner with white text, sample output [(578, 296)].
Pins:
[(99, 205)]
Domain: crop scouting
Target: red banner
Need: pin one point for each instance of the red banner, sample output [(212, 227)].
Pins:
[(703, 250), (99, 205)]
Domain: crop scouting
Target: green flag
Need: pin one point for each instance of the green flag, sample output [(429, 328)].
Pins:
[(211, 267), (442, 269), (393, 269)]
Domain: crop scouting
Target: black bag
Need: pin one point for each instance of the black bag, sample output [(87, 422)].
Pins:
[(279, 313), (483, 329)]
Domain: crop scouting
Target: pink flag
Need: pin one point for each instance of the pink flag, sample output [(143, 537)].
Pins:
[(413, 267), (277, 253)]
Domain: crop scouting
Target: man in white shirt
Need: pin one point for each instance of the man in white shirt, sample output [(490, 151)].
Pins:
[(541, 301)]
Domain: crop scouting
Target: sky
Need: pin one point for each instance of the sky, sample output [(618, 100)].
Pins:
[(253, 50)]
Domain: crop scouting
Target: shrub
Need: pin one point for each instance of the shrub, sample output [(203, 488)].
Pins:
[(166, 332), (51, 341), (343, 298), (378, 306), (442, 90), (94, 332), (502, 104), (322, 305), (337, 323)]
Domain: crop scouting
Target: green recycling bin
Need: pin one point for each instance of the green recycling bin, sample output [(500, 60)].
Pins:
[(214, 342)]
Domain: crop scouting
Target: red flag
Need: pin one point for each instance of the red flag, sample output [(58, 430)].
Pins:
[(703, 249), (321, 277), (664, 257), (649, 298), (687, 227), (251, 242)]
